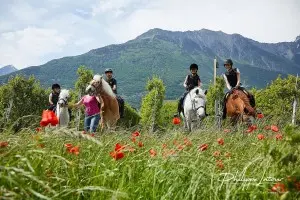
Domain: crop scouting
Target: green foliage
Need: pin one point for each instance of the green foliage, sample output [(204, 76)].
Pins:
[(166, 114), (132, 118), (277, 98), (152, 103), (215, 92), (84, 77), (27, 97)]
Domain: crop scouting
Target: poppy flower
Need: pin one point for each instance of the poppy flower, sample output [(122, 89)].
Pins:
[(117, 155), (220, 164), (119, 147), (203, 147), (135, 134), (180, 147), (220, 141), (187, 142), (260, 136), (278, 187), (216, 153), (92, 134), (278, 136), (38, 129), (133, 139), (251, 128), (68, 145), (274, 128), (152, 152), (227, 155), (176, 120), (140, 144), (3, 144), (226, 130), (74, 150), (260, 116), (164, 146)]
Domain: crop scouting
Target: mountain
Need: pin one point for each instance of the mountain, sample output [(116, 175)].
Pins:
[(169, 54), (7, 70)]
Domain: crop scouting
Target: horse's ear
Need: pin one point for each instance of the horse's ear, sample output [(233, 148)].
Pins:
[(197, 91), (205, 92)]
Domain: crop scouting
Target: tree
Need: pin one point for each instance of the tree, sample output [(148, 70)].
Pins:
[(152, 103), (215, 92), (84, 77)]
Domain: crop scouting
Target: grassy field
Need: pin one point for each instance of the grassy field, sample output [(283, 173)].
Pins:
[(207, 164)]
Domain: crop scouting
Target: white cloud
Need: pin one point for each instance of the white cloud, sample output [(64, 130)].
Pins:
[(25, 47)]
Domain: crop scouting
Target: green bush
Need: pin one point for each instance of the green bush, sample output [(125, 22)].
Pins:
[(166, 114), (131, 117)]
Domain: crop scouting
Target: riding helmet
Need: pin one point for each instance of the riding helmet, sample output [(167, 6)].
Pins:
[(193, 66), (55, 85), (108, 70), (228, 61)]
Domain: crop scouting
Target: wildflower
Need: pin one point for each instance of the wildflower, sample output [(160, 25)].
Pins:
[(278, 136), (226, 130), (3, 144), (220, 141), (227, 155), (135, 134), (180, 147), (74, 150), (220, 164), (176, 120), (260, 116), (140, 144), (152, 152), (117, 155), (38, 129), (274, 128), (187, 142), (68, 146), (203, 147), (278, 187), (216, 153), (260, 136), (92, 134), (164, 146), (251, 128), (119, 147)]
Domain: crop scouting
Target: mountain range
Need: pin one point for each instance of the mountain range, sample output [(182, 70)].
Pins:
[(168, 54), (7, 70)]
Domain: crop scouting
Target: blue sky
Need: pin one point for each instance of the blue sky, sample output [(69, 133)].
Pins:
[(32, 32)]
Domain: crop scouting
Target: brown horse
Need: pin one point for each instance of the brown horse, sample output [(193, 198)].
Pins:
[(238, 107), (109, 107)]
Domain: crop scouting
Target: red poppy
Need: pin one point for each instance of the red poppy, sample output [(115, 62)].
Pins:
[(117, 155), (133, 139), (119, 147), (38, 129), (251, 128), (278, 187), (260, 116), (3, 144), (203, 147), (260, 136), (176, 120), (164, 146), (278, 136), (140, 144), (180, 147), (216, 153), (220, 164), (274, 128), (74, 150), (267, 128), (152, 152), (220, 141), (92, 134), (68, 145), (227, 154), (187, 142), (135, 134), (226, 130)]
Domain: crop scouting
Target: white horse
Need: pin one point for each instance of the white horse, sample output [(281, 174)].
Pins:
[(193, 105), (62, 112)]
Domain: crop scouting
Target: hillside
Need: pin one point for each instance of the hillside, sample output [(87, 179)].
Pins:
[(7, 70), (169, 54)]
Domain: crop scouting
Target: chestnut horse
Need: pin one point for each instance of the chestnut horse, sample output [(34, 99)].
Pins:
[(110, 107), (238, 107)]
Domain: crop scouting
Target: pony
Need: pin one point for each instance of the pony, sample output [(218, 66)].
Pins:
[(238, 108), (193, 106), (62, 112), (110, 107)]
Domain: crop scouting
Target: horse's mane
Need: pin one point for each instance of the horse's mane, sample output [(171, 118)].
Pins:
[(106, 88), (244, 98), (63, 93)]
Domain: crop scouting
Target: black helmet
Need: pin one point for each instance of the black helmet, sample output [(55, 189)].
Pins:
[(55, 85), (228, 61), (193, 66), (108, 70)]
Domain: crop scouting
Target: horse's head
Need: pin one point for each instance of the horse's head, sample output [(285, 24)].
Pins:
[(63, 97), (198, 98), (99, 86)]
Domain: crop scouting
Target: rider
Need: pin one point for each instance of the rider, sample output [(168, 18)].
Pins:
[(113, 84), (53, 97), (191, 81), (232, 79)]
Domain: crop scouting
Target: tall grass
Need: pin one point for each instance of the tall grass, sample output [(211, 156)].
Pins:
[(37, 165)]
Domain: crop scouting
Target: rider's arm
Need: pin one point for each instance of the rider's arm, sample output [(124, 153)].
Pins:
[(79, 103), (185, 82), (50, 99), (199, 83), (114, 88), (226, 81), (238, 74)]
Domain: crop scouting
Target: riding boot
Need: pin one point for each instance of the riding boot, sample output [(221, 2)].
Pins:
[(178, 109), (121, 109)]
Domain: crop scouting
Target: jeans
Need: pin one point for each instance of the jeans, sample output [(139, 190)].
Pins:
[(91, 123)]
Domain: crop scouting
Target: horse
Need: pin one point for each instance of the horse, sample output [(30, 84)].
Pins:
[(238, 108), (62, 112), (110, 107), (193, 106)]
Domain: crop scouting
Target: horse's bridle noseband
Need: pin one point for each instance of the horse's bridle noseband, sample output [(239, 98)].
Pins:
[(65, 101)]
